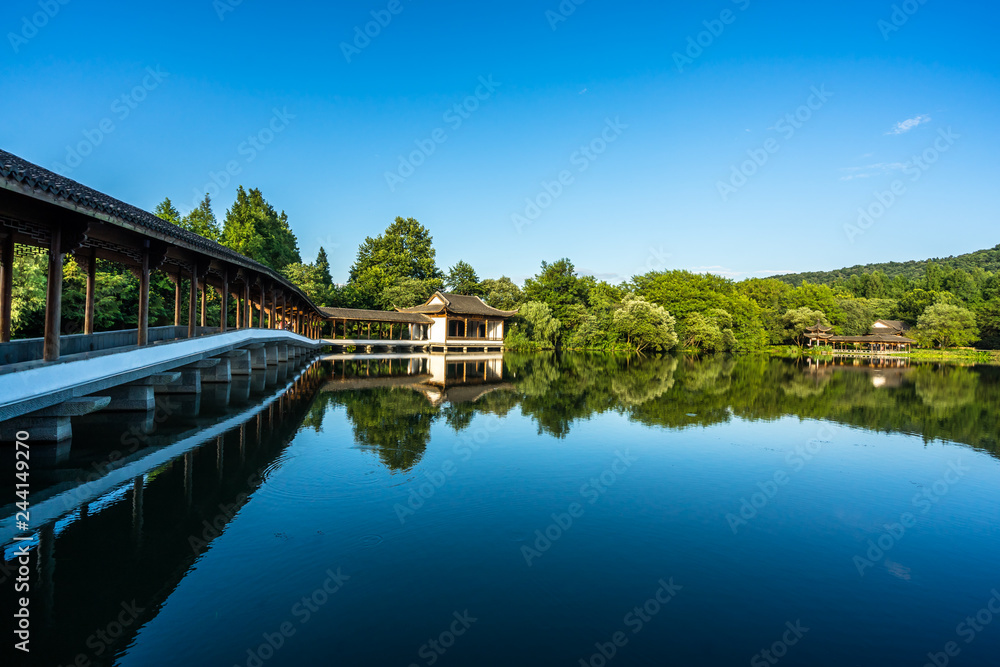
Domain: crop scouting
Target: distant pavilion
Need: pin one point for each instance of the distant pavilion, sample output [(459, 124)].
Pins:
[(885, 336)]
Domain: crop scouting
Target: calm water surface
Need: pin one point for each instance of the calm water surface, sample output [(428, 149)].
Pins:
[(541, 510)]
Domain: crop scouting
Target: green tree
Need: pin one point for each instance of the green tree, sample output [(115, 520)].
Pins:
[(201, 220), (462, 279), (404, 250), (645, 325), (538, 323), (255, 229), (947, 325), (557, 286), (165, 210), (711, 332), (797, 320), (502, 293)]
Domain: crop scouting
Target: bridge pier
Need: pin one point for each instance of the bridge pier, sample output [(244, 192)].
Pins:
[(220, 374), (138, 396), (272, 354), (52, 424), (190, 380)]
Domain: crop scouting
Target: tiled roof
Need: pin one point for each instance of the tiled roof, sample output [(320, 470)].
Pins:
[(360, 315), (16, 170), (459, 304)]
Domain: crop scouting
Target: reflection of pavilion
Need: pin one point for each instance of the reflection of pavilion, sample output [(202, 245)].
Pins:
[(452, 378), (884, 371)]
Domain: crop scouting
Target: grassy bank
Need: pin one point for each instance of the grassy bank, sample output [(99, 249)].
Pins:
[(963, 355)]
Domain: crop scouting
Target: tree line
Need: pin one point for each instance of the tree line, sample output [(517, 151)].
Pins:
[(557, 308)]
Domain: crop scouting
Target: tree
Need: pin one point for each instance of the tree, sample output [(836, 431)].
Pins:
[(539, 324), (501, 293), (557, 286), (314, 279), (409, 292), (404, 250), (712, 331), (166, 211), (462, 279), (256, 230), (989, 324), (645, 325), (202, 221), (798, 320), (947, 325)]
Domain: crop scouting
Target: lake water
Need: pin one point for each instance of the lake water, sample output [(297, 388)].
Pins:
[(535, 510)]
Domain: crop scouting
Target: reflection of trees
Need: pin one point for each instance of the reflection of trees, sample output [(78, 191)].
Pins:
[(394, 423), (945, 389), (555, 391)]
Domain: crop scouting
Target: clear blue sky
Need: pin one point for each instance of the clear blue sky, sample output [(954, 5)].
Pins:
[(650, 200)]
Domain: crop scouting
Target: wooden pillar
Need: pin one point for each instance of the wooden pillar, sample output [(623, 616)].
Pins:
[(260, 309), (193, 301), (204, 303), (247, 306), (224, 308), (272, 314), (144, 299), (53, 297), (177, 299), (88, 308), (6, 286)]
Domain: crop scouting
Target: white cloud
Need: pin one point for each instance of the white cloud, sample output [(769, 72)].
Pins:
[(905, 126), (870, 170)]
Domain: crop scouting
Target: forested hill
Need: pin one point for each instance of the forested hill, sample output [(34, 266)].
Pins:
[(988, 260)]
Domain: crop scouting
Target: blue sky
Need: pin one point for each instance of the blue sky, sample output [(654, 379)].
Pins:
[(654, 188)]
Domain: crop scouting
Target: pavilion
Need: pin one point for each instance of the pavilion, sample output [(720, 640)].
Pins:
[(885, 336), (444, 321)]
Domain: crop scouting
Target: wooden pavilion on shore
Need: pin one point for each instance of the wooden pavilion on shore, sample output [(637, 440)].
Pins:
[(444, 321), (885, 336)]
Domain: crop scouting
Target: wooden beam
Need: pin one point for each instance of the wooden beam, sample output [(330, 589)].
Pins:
[(6, 286), (53, 296)]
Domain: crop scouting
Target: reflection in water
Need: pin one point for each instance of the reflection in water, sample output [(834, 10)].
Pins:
[(392, 404), (115, 559), (118, 554)]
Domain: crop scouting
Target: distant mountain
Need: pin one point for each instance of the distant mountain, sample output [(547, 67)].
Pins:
[(988, 260)]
